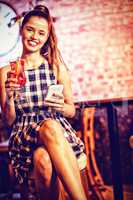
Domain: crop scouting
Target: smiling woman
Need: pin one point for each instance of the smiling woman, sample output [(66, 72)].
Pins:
[(42, 141)]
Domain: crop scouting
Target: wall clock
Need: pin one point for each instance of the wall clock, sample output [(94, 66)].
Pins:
[(9, 32)]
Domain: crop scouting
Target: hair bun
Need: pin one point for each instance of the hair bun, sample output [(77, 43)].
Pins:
[(41, 8)]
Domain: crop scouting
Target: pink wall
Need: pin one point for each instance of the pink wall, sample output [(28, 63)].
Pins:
[(96, 40)]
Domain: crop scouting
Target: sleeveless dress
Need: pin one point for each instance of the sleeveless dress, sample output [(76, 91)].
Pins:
[(30, 109)]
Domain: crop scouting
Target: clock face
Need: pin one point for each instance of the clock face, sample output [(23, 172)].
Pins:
[(9, 35)]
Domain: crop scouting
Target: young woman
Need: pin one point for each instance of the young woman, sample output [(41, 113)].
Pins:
[(41, 141)]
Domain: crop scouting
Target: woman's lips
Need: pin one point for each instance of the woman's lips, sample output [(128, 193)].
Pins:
[(32, 43)]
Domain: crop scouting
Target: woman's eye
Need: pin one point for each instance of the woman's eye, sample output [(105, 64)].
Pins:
[(29, 29), (42, 33)]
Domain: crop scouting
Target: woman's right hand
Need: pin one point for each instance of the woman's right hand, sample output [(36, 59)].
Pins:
[(11, 84), (7, 87)]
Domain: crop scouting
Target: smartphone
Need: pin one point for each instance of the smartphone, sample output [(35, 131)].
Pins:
[(54, 90)]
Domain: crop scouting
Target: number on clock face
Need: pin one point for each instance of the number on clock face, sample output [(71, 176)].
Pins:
[(9, 35)]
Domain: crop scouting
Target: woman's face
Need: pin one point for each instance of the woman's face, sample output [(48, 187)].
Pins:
[(34, 34)]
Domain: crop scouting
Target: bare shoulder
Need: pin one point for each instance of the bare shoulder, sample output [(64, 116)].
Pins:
[(3, 77), (4, 69)]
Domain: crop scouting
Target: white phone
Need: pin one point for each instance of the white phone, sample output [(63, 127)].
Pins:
[(54, 89)]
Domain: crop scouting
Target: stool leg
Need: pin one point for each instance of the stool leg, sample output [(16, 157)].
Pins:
[(84, 178)]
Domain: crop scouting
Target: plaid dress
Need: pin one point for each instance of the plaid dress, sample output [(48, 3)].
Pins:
[(31, 109)]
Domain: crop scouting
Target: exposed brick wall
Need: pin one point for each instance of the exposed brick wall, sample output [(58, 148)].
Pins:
[(96, 40), (97, 45)]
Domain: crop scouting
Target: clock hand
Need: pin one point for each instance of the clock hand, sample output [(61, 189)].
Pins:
[(7, 15), (15, 19)]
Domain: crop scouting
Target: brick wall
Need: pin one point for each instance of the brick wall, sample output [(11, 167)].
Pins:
[(96, 40)]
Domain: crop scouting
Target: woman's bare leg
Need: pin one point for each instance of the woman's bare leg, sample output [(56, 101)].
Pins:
[(63, 158), (45, 177)]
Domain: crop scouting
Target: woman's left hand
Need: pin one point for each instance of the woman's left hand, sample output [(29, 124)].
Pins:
[(56, 102)]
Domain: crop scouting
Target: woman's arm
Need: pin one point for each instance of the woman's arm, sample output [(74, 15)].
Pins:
[(68, 109), (6, 102), (63, 103)]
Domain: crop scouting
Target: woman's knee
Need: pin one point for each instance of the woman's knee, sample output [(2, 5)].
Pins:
[(49, 130), (42, 162)]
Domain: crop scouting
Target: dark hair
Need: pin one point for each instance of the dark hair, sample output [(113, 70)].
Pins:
[(39, 10), (49, 50)]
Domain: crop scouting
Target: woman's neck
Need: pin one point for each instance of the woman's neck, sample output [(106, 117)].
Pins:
[(32, 60)]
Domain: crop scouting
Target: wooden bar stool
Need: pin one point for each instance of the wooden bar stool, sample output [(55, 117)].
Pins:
[(96, 180)]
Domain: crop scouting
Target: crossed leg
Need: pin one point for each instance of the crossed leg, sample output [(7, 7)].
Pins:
[(59, 154)]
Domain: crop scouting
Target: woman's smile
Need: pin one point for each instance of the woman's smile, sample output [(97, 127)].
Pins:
[(33, 43), (35, 34)]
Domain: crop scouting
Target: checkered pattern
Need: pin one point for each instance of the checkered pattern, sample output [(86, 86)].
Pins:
[(31, 111)]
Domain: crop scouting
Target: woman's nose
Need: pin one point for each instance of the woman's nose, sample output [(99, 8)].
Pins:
[(35, 35)]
